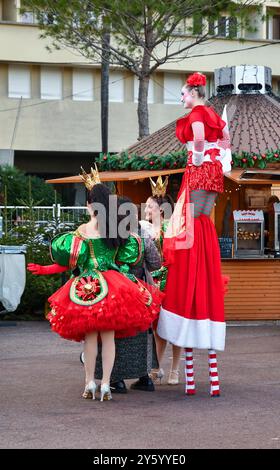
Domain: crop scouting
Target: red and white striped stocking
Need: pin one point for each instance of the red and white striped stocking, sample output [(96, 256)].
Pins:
[(213, 374), (189, 374)]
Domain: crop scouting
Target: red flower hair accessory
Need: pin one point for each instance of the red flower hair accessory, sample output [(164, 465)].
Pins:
[(196, 79)]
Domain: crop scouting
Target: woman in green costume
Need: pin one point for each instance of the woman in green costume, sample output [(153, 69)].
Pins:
[(135, 355), (103, 301)]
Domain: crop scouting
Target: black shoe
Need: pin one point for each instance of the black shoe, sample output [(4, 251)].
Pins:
[(144, 383), (118, 387)]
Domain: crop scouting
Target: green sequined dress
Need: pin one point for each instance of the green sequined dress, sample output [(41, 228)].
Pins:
[(104, 296)]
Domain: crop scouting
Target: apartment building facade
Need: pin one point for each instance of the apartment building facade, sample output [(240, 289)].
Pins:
[(50, 102)]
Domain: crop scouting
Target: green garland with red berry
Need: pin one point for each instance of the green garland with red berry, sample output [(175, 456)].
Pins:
[(257, 160), (125, 162)]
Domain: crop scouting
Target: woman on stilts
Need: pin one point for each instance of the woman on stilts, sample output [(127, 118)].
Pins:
[(192, 313)]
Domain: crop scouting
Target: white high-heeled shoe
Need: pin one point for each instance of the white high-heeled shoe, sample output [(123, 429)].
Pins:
[(156, 375), (90, 390), (105, 392), (173, 378)]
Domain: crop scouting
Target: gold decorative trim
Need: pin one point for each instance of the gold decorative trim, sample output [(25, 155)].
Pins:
[(140, 248), (92, 254), (74, 251)]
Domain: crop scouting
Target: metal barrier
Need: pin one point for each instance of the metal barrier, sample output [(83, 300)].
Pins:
[(14, 216)]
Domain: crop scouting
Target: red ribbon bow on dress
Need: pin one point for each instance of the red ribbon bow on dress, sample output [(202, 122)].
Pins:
[(212, 152)]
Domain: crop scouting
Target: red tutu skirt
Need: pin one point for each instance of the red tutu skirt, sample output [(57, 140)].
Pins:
[(124, 309)]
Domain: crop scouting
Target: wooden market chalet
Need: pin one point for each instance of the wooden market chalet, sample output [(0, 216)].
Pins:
[(253, 113)]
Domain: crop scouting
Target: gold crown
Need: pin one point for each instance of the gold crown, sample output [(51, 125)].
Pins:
[(90, 179), (159, 188)]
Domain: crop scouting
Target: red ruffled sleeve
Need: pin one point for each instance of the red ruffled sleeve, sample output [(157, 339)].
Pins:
[(213, 124), (212, 119), (183, 129), (197, 115)]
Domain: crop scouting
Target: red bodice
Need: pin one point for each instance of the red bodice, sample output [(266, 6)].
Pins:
[(213, 124)]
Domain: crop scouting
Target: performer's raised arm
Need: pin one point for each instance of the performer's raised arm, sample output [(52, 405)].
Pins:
[(198, 142)]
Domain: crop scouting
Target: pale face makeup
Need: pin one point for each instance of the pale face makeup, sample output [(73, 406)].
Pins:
[(89, 208), (187, 97), (152, 210)]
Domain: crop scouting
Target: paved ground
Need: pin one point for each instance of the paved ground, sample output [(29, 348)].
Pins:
[(41, 380)]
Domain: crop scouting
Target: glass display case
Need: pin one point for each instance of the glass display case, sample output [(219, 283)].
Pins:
[(248, 234)]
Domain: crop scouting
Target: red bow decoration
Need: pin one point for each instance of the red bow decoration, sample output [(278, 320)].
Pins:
[(212, 152), (196, 79), (88, 288)]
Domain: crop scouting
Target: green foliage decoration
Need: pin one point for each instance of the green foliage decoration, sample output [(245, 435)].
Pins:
[(255, 160), (173, 160), (126, 162)]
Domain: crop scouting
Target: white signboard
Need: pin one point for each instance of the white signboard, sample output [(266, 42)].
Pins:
[(246, 216)]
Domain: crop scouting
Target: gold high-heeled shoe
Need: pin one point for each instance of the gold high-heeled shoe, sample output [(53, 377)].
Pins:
[(156, 375), (105, 393), (173, 378), (90, 389)]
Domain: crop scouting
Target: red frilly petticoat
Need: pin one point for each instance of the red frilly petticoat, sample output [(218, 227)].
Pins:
[(122, 310)]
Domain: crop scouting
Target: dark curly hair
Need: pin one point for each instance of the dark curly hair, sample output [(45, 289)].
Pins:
[(100, 194), (161, 200)]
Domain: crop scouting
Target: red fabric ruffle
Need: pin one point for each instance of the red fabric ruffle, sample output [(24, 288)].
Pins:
[(213, 124), (195, 287), (122, 310)]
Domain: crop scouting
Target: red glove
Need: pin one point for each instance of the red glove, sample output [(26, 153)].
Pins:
[(38, 269)]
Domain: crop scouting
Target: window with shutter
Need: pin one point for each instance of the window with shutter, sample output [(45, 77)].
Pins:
[(172, 88), (19, 82), (116, 87), (51, 83), (82, 81)]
